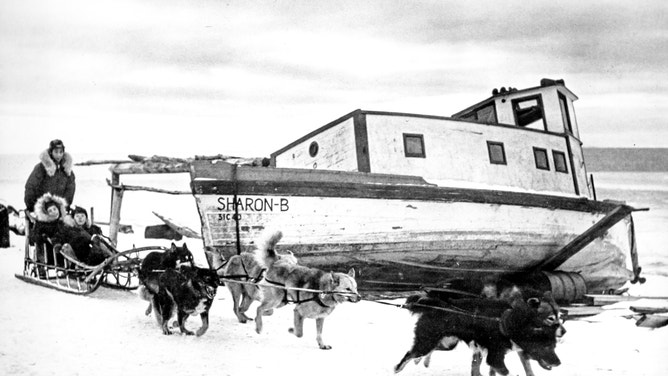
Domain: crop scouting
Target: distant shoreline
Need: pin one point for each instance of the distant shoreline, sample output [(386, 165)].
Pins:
[(598, 159), (626, 159)]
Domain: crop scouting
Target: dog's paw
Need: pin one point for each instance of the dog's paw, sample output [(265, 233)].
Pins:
[(325, 347), (188, 332)]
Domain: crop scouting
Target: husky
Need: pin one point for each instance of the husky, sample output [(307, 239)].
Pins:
[(494, 326), (245, 268), (506, 287), (185, 291), (282, 283), (155, 263)]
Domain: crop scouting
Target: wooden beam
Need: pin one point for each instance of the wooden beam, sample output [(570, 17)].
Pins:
[(181, 229), (115, 215), (124, 187), (582, 240), (599, 300), (150, 168)]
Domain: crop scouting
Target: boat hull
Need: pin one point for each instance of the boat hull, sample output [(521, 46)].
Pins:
[(399, 236)]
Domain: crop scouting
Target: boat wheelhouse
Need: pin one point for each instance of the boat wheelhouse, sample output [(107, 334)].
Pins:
[(413, 200), (521, 140)]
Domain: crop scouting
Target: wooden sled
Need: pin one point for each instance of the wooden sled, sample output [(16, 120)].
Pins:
[(68, 274)]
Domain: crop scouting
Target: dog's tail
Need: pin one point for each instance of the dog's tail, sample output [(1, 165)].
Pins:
[(265, 254)]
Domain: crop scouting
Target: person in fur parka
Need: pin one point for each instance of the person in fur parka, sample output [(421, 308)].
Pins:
[(52, 175), (51, 219), (56, 228)]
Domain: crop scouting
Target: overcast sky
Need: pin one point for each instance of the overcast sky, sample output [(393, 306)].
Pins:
[(247, 77)]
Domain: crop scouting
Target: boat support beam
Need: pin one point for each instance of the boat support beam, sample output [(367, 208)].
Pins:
[(592, 233)]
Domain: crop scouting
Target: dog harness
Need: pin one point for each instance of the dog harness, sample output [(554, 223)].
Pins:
[(316, 297), (246, 276)]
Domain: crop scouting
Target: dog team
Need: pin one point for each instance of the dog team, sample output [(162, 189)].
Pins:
[(491, 317)]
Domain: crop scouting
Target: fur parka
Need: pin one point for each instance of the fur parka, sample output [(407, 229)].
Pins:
[(50, 177), (64, 230)]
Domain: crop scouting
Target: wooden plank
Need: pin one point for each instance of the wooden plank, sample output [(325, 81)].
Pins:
[(575, 312), (146, 189), (649, 310), (599, 300), (181, 229), (652, 321), (150, 168), (223, 172), (577, 244), (341, 186)]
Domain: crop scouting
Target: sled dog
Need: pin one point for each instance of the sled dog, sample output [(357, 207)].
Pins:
[(246, 268), (184, 291), (488, 325), (278, 289), (155, 263)]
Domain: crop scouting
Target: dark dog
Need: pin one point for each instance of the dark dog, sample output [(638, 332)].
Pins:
[(282, 284), (186, 291), (493, 325), (504, 287), (246, 268), (155, 263)]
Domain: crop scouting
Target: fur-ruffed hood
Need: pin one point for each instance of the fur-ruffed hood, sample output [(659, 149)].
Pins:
[(50, 165), (40, 209)]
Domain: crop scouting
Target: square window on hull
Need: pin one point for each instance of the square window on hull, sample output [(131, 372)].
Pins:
[(497, 154), (414, 145), (540, 156), (559, 161)]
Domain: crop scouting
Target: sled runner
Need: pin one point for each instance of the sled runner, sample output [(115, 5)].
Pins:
[(56, 266)]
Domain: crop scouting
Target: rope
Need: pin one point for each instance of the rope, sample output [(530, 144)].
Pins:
[(449, 310), (225, 279)]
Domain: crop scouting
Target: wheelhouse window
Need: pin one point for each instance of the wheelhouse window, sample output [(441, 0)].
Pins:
[(497, 154), (528, 112), (559, 161), (563, 103), (484, 114), (414, 145), (540, 156)]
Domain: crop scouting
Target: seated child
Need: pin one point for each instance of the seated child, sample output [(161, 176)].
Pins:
[(81, 219), (55, 228)]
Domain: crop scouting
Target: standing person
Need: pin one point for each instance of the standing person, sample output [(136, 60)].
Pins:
[(53, 174)]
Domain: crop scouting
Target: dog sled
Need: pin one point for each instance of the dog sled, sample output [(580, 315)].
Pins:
[(55, 266)]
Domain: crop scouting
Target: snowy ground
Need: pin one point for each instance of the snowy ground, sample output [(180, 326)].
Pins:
[(46, 332)]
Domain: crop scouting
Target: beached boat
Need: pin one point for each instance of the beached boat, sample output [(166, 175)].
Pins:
[(410, 200)]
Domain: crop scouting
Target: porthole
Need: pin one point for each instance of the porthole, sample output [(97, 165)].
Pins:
[(313, 149)]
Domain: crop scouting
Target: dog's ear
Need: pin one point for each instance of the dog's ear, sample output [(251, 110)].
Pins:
[(351, 272), (173, 246), (533, 302), (185, 246)]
